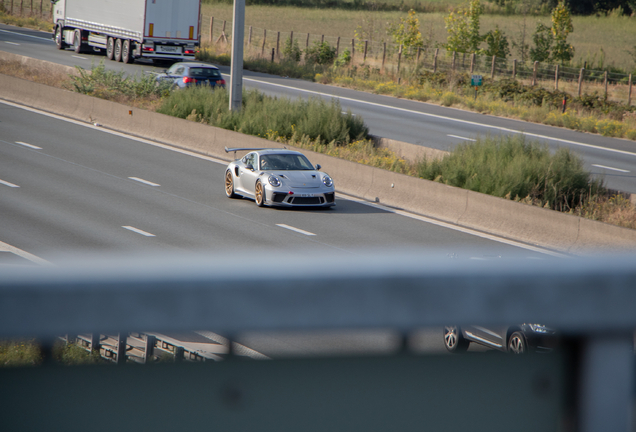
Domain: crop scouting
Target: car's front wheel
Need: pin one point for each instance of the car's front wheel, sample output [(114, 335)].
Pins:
[(517, 343), (454, 341), (229, 185), (259, 194)]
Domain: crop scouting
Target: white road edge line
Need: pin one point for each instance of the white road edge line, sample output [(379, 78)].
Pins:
[(9, 184), (79, 57), (24, 254), (298, 230), (11, 43), (537, 249), (149, 183), (28, 145), (26, 35), (450, 119), (610, 168), (461, 137), (138, 231)]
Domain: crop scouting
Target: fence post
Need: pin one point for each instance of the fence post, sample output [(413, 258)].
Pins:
[(472, 63), (263, 46), (121, 348), (322, 39), (278, 44), (514, 69), (435, 60), (366, 45), (291, 40), (581, 80), (353, 48), (556, 78), (399, 59), (383, 54), (629, 92), (338, 46), (12, 7), (605, 84), (273, 54), (307, 43), (492, 68), (453, 62), (31, 14), (417, 57), (41, 1), (211, 29), (534, 73), (249, 37), (149, 349)]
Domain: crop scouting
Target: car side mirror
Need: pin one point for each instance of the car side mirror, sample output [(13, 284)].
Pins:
[(249, 167), (318, 167)]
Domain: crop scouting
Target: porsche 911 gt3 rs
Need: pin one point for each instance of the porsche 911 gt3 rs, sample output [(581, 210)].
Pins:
[(278, 177)]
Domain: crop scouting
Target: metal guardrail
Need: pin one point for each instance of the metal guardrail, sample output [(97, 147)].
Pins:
[(586, 386)]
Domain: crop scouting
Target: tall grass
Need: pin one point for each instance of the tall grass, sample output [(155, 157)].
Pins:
[(266, 116), (511, 167), (19, 353)]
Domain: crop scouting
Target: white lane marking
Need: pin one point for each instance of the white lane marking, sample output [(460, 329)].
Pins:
[(610, 168), (349, 197), (11, 43), (503, 129), (144, 181), (28, 145), (461, 137), (26, 35), (24, 254), (79, 57), (298, 230), (9, 184), (138, 231)]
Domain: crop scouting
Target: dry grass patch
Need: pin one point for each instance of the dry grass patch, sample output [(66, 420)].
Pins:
[(42, 76)]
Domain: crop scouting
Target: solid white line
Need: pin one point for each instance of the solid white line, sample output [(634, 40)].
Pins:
[(11, 43), (610, 168), (23, 254), (307, 233), (25, 35), (138, 231), (503, 129), (28, 145), (9, 184), (79, 57), (144, 181), (460, 137)]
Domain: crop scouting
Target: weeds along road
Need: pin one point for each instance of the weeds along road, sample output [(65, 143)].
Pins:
[(403, 120)]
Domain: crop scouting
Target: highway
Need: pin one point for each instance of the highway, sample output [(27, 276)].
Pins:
[(403, 120)]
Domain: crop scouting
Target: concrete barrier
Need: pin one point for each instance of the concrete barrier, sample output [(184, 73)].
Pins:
[(502, 217), (408, 151)]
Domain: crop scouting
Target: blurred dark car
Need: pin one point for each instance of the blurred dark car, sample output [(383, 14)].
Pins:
[(187, 74), (517, 339)]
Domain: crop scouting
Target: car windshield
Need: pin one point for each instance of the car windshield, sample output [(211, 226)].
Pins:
[(205, 72), (285, 162)]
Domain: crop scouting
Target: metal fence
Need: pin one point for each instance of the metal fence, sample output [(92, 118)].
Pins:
[(587, 385), (42, 9)]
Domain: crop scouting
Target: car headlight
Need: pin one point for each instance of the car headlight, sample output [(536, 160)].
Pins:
[(327, 180), (538, 328), (274, 181)]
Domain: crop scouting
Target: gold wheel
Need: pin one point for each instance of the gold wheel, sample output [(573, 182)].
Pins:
[(229, 185), (259, 194)]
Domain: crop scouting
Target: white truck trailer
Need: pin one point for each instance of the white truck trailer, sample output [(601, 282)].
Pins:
[(129, 29)]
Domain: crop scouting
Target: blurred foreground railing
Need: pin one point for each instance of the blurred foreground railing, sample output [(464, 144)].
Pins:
[(585, 386)]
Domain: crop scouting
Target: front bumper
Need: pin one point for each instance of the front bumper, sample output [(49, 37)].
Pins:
[(301, 199)]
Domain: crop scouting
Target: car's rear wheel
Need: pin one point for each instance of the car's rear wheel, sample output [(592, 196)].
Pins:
[(454, 341), (259, 194), (517, 343), (229, 185), (110, 48)]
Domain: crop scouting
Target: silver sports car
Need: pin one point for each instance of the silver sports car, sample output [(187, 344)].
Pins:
[(278, 177)]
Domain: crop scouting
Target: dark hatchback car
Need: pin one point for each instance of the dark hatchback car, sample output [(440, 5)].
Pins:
[(187, 74), (517, 339)]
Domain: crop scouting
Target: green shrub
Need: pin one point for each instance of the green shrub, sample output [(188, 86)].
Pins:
[(320, 53)]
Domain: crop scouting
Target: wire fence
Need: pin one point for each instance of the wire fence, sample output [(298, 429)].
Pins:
[(42, 9), (270, 44)]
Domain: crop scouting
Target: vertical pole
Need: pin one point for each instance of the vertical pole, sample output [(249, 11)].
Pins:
[(277, 44), (291, 41), (556, 77), (211, 29), (263, 46), (629, 92), (41, 1), (21, 6), (366, 44), (417, 58), (435, 60), (338, 46), (121, 348), (383, 55), (178, 354), (492, 68), (399, 59), (307, 43), (95, 337), (605, 84), (581, 80), (31, 11), (514, 69), (472, 63), (534, 73), (322, 39), (12, 6), (149, 348), (236, 65), (453, 62), (273, 54), (353, 48), (249, 38)]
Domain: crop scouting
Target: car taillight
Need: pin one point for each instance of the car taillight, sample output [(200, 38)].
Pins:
[(222, 82), (148, 49), (187, 80), (189, 51)]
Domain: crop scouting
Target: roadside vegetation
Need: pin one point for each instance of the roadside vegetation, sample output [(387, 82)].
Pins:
[(27, 352)]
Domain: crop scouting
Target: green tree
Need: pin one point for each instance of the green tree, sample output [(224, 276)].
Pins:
[(320, 53), (497, 44), (407, 32), (462, 27), (542, 39), (561, 28)]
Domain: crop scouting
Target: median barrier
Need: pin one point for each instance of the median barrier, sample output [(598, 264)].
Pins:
[(470, 209)]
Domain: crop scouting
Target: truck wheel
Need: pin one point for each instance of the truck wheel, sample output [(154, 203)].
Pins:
[(59, 38), (77, 41), (110, 48), (118, 49), (126, 53)]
